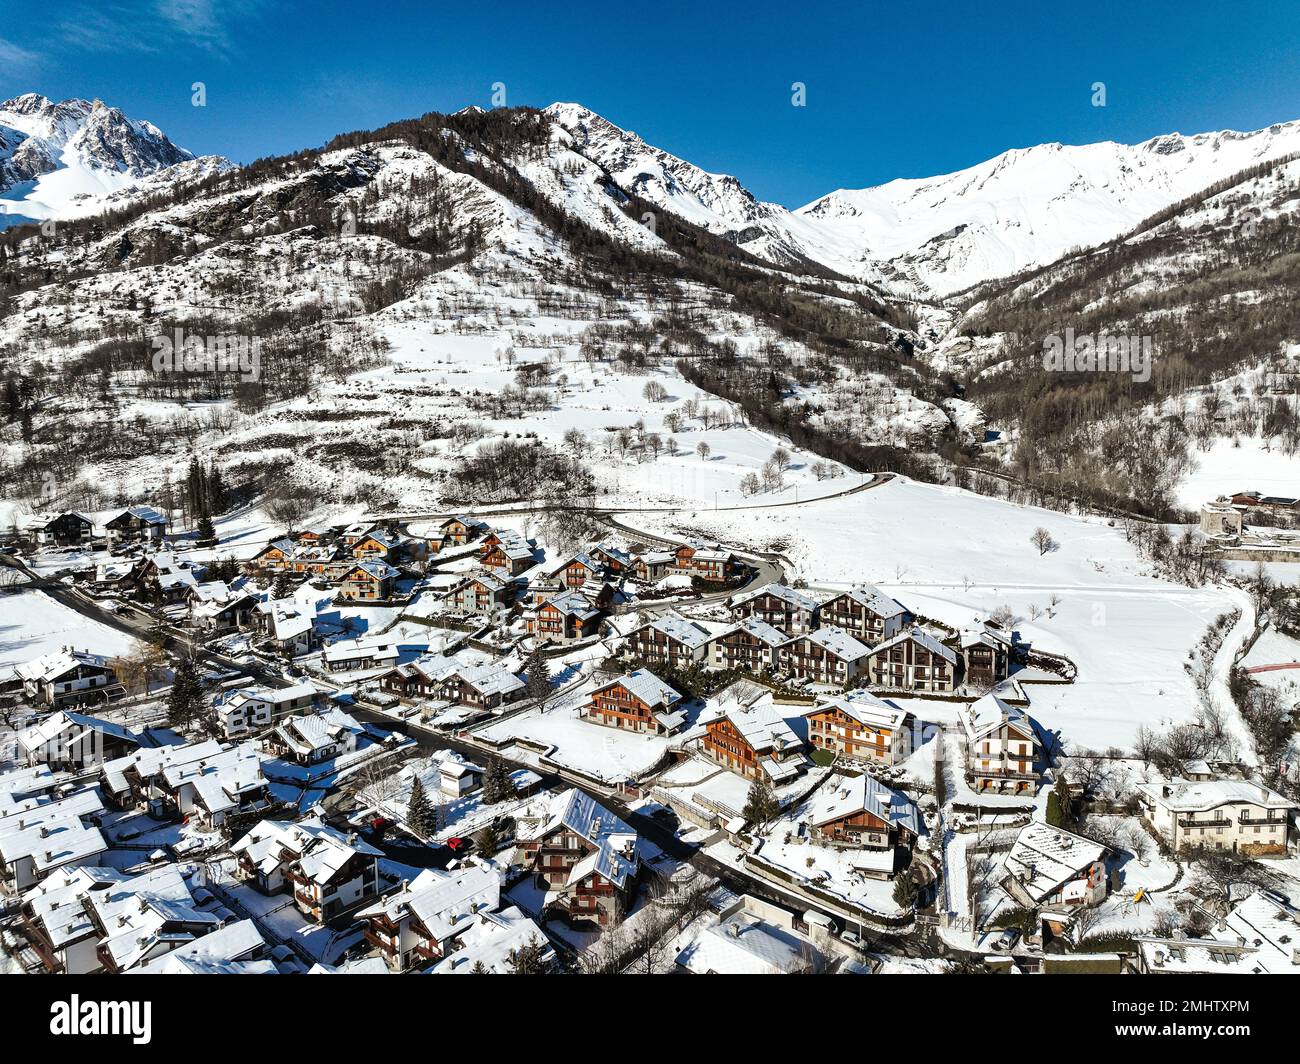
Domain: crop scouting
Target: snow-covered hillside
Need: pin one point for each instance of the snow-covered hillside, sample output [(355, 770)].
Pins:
[(59, 160)]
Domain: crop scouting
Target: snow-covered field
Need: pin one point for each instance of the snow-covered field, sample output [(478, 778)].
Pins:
[(956, 557), (34, 624), (1239, 464)]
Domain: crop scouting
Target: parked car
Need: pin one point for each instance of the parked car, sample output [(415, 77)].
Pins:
[(1006, 941)]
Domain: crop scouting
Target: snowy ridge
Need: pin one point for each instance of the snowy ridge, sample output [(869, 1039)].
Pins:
[(60, 160)]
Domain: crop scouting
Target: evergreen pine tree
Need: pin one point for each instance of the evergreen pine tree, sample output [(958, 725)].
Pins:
[(497, 784), (761, 805), (537, 676), (185, 702), (205, 528), (282, 587), (527, 959), (421, 817)]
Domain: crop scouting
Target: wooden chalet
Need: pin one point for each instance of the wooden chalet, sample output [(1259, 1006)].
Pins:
[(825, 656), (669, 640), (755, 741), (866, 613), (637, 701), (780, 606), (860, 725), (913, 661), (371, 581), (748, 646)]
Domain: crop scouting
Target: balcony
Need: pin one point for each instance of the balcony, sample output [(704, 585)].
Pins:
[(1217, 823), (1245, 819)]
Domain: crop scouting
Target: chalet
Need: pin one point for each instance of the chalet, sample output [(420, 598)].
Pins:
[(284, 555), (586, 859), (214, 606), (136, 780), (64, 530), (565, 618), (860, 812), (375, 546), (508, 551), (420, 923), (668, 640), (1257, 936), (248, 710), (368, 582), (824, 656), (912, 661), (755, 741), (290, 628), (349, 655), (457, 531), (866, 613), (749, 645), (328, 873), (707, 562), (1049, 866), (236, 948), (578, 570), (141, 918), (1223, 814), (218, 786), (781, 607), (310, 738), (1002, 746), (1254, 500), (617, 562), (422, 678), (355, 533), (637, 701), (275, 555), (860, 725), (986, 654), (492, 941), (317, 536), (36, 841), (55, 921), (479, 594), (75, 742), (485, 686), (161, 578), (136, 524), (68, 677), (652, 565)]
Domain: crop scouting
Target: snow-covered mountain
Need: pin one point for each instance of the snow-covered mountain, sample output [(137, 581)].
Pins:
[(939, 235), (59, 160), (1029, 206)]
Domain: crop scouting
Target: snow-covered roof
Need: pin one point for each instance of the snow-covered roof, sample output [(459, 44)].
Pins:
[(490, 679), (741, 944), (56, 901), (761, 724), (150, 761), (759, 629), (376, 568), (310, 732), (51, 843), (842, 796), (676, 627), (490, 940), (572, 603), (140, 912), (1188, 796), (617, 844), (513, 545), (1044, 857), (834, 641), (219, 781), (987, 714), (147, 514), (66, 727), (785, 594), (318, 849), (865, 708), (875, 600), (445, 903), (49, 667), (224, 951), (646, 686), (923, 639)]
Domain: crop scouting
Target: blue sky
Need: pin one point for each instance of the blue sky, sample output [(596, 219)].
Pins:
[(893, 90)]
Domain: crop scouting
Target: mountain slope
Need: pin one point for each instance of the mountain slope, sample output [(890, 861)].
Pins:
[(1029, 206), (58, 160)]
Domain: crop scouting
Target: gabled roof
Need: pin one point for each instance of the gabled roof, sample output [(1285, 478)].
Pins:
[(923, 639), (680, 629), (491, 679), (843, 796), (225, 951), (865, 708), (49, 667), (490, 940), (379, 570), (834, 641), (759, 629), (617, 845), (571, 603), (874, 600), (1186, 796), (785, 594), (318, 849), (140, 913), (646, 686), (987, 715), (147, 514), (1044, 857), (445, 903), (761, 724)]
